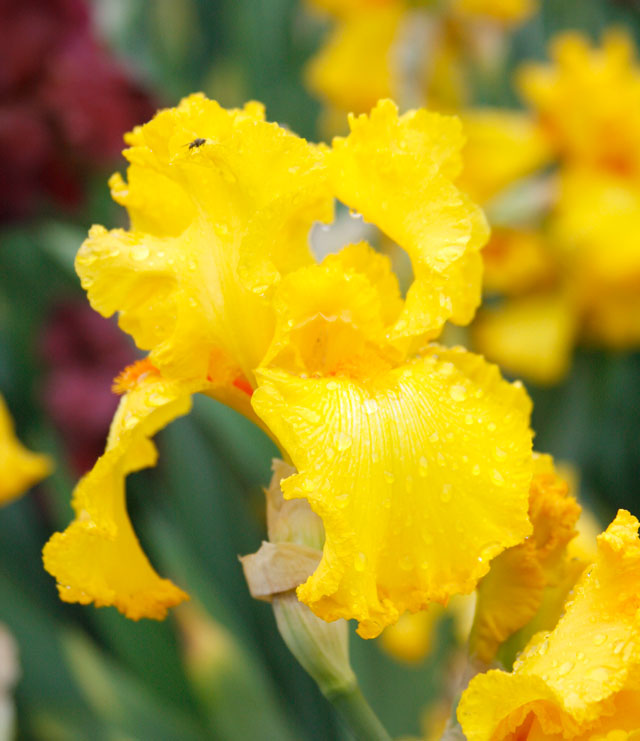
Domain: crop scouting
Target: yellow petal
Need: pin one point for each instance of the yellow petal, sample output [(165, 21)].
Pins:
[(502, 146), (19, 467), (398, 172), (340, 8), (411, 638), (220, 203), (98, 557), (335, 315), (511, 593), (354, 69), (582, 678), (588, 101), (507, 12), (595, 227), (420, 475), (530, 337), (517, 261)]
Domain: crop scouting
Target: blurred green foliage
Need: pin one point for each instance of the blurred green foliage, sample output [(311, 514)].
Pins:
[(90, 673)]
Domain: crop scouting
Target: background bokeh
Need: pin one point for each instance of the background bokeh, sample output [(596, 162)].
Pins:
[(218, 668)]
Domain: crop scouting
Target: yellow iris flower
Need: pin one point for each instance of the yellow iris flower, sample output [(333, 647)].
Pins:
[(397, 443), (19, 467), (376, 49), (579, 681), (583, 266)]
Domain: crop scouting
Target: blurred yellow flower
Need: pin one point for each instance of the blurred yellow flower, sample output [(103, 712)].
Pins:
[(505, 11), (394, 48), (580, 681), (396, 442), (576, 275), (19, 467), (588, 102)]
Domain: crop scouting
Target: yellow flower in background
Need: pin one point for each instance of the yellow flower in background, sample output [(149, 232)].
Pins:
[(588, 102), (501, 147), (576, 276), (393, 48), (580, 681), (595, 226), (508, 12), (512, 592), (396, 441), (355, 68), (530, 336), (19, 467)]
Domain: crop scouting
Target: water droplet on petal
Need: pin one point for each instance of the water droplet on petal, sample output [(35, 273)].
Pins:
[(434, 437), (139, 252), (360, 561), (497, 477), (599, 639), (344, 441), (423, 466), (445, 494), (565, 668), (476, 470), (458, 392), (370, 406), (389, 477), (500, 454)]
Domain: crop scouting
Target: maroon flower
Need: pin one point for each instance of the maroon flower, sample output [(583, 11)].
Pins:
[(83, 352), (64, 103)]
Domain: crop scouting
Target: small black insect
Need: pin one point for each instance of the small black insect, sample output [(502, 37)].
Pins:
[(197, 143)]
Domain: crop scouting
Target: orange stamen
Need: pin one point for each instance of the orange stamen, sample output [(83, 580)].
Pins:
[(241, 383), (129, 377)]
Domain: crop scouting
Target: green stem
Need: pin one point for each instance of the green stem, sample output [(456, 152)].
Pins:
[(356, 711)]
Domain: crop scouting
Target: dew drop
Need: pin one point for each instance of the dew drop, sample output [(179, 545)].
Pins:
[(445, 494), (491, 426), (330, 453), (344, 441), (468, 419), (139, 252), (423, 466), (360, 561), (370, 406), (434, 437), (388, 477), (332, 385), (500, 454), (341, 500), (458, 392), (565, 668), (600, 674), (476, 470), (441, 459), (497, 477), (599, 639)]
